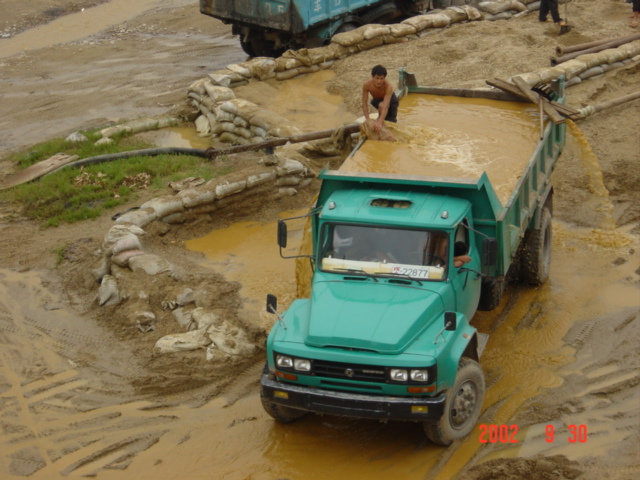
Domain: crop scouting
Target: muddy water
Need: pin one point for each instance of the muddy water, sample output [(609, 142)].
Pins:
[(247, 252), (481, 135), (75, 26)]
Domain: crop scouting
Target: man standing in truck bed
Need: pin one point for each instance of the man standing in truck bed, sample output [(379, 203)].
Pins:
[(384, 99)]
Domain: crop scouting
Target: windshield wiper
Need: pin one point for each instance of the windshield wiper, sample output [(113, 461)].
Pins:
[(401, 275), (353, 270)]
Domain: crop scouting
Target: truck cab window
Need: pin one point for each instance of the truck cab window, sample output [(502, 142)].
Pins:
[(384, 250)]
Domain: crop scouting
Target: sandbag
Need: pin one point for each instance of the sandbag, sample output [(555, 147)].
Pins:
[(352, 37), (122, 258), (108, 293), (261, 67), (150, 264), (229, 188), (164, 206), (401, 29), (218, 93), (180, 342), (197, 196)]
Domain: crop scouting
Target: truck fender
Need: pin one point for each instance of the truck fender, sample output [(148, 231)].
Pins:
[(463, 343), (546, 200)]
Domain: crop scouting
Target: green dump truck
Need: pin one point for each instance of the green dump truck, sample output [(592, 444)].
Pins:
[(401, 262)]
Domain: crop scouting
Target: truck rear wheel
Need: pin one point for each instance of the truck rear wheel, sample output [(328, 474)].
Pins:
[(462, 407), (536, 258), (246, 46), (281, 413)]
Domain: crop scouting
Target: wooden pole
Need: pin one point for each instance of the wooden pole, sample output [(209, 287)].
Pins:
[(276, 142)]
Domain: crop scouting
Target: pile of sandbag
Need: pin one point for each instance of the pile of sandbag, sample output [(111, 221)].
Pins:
[(506, 9), (586, 66), (232, 120)]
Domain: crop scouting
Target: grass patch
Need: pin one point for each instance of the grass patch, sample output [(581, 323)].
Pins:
[(47, 149), (72, 195)]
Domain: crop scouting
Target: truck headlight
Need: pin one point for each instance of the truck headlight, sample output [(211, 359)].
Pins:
[(421, 376), (283, 361), (302, 364), (399, 375)]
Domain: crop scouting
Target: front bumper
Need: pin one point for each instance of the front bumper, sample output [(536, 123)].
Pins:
[(352, 404)]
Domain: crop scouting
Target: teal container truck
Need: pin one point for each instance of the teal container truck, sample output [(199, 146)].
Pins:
[(269, 27), (401, 262)]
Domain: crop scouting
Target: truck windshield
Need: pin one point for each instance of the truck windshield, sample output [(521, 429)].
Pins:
[(420, 254)]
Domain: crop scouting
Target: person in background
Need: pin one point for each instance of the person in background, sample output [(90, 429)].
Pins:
[(383, 98), (550, 6), (635, 15)]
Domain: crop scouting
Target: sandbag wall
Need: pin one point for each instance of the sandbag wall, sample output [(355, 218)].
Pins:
[(123, 254), (586, 66)]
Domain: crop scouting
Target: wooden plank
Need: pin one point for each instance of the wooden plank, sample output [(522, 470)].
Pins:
[(37, 170), (565, 110), (535, 98), (507, 87)]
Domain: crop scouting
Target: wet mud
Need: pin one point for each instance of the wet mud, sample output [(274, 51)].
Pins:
[(71, 402)]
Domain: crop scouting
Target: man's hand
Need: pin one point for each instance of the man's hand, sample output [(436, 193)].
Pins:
[(377, 127)]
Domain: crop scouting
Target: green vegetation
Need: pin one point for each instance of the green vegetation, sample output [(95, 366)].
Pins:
[(71, 195), (47, 149)]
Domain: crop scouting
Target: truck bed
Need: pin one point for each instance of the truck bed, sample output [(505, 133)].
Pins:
[(455, 137)]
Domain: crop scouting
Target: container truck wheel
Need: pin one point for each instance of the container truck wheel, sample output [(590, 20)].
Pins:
[(462, 407), (281, 413), (536, 258), (247, 47)]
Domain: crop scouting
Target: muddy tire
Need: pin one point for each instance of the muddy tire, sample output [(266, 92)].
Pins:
[(281, 413), (380, 14), (536, 256), (462, 407), (263, 47), (346, 27), (248, 49)]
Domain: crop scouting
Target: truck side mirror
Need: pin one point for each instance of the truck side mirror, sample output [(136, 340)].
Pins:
[(450, 321), (489, 252), (272, 303), (282, 234)]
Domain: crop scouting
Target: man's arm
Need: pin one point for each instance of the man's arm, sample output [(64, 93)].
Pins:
[(365, 100)]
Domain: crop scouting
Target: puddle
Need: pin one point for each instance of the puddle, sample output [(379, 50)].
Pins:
[(248, 252), (74, 26), (183, 137)]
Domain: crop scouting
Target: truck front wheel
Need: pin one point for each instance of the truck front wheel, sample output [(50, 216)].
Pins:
[(536, 258), (281, 413), (462, 407)]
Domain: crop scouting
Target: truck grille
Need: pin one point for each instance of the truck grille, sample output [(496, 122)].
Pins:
[(347, 371)]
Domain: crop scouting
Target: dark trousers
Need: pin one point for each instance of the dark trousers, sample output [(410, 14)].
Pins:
[(549, 6), (392, 113)]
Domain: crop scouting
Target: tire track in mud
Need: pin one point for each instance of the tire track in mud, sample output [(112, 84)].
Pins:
[(56, 418)]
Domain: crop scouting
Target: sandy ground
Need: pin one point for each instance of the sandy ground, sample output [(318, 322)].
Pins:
[(142, 66)]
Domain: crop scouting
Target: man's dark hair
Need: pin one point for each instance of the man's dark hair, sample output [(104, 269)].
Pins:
[(378, 70)]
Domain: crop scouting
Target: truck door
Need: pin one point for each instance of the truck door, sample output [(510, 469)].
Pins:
[(466, 284)]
